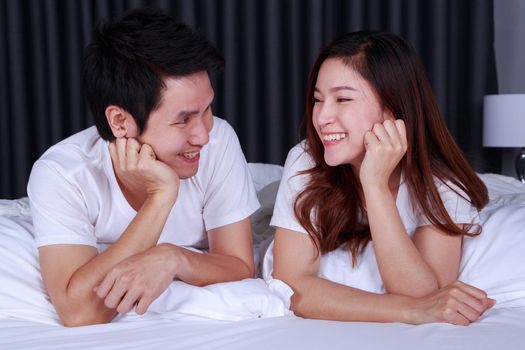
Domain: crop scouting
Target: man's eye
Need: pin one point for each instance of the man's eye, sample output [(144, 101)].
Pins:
[(182, 122)]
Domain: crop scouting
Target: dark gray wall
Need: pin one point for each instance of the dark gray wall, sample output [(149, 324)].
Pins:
[(509, 44), (269, 46)]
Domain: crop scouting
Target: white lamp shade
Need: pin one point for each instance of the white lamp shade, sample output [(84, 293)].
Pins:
[(504, 120)]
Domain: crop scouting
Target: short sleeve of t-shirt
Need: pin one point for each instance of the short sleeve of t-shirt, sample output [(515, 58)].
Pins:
[(58, 208), (230, 194), (457, 205), (292, 183)]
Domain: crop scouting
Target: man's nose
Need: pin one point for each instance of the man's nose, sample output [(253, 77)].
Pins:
[(199, 133)]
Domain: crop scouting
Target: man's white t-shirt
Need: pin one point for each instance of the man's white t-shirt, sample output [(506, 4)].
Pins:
[(337, 265), (75, 197)]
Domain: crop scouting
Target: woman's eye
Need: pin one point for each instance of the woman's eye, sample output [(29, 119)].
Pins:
[(343, 99), (316, 100)]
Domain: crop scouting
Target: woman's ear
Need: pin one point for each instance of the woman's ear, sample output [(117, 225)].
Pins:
[(387, 115), (118, 121)]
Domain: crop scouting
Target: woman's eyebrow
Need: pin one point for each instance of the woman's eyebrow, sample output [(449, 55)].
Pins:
[(339, 88)]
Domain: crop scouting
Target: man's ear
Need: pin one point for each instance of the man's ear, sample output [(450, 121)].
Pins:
[(118, 120)]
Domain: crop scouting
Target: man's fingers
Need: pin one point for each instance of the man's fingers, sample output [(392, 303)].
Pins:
[(120, 143), (117, 290), (128, 301), (132, 153), (113, 150), (143, 304), (105, 286), (146, 152)]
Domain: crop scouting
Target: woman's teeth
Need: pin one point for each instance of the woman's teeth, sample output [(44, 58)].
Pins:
[(189, 155), (334, 137)]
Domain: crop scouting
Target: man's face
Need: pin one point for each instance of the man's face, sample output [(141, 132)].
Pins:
[(179, 128)]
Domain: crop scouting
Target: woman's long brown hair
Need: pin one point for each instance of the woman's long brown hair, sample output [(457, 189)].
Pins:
[(393, 69)]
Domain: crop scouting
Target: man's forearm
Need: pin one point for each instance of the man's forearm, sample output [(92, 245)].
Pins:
[(201, 269), (141, 234)]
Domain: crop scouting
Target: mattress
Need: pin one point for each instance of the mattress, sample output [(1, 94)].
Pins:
[(28, 320)]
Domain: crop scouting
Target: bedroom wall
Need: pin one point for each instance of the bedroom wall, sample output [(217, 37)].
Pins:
[(269, 46)]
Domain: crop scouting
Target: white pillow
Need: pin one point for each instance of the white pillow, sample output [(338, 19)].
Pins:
[(264, 174), (495, 260), (22, 293), (266, 178)]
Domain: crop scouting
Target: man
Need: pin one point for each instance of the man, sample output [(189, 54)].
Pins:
[(114, 206)]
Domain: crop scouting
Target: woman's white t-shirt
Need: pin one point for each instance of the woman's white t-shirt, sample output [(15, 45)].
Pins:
[(337, 265)]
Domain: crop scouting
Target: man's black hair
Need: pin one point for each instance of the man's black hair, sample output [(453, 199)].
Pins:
[(128, 59)]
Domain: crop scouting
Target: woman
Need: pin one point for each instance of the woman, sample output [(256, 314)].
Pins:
[(378, 162)]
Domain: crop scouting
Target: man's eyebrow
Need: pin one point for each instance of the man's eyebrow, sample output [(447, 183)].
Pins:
[(184, 114), (188, 113)]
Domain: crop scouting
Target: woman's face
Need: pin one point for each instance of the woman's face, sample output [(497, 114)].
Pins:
[(345, 108)]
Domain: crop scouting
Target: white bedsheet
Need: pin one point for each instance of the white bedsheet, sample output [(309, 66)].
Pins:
[(498, 329)]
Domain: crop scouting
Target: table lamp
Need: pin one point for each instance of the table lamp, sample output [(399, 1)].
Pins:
[(504, 125)]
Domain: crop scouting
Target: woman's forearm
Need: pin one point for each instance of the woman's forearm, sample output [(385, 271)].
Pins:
[(402, 267), (318, 298)]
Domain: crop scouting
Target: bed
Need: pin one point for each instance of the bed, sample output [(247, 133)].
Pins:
[(494, 261)]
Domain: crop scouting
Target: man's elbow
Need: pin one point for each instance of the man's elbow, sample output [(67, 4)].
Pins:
[(249, 271), (86, 317)]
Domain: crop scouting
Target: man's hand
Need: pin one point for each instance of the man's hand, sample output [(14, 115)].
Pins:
[(139, 280), (385, 145), (138, 169)]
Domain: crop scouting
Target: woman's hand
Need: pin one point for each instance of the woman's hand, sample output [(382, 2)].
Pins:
[(385, 145), (458, 304)]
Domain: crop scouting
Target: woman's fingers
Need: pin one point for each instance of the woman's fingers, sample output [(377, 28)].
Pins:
[(402, 131), (468, 312), (473, 291), (381, 133), (392, 134), (473, 302), (370, 140)]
